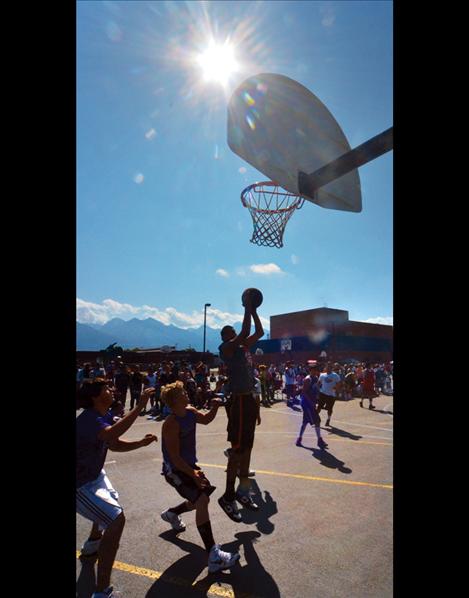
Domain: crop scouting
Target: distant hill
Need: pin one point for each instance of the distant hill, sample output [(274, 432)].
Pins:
[(90, 339), (145, 334)]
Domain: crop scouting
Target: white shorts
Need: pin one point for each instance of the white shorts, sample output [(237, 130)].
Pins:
[(98, 501)]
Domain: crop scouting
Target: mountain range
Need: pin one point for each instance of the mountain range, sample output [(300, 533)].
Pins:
[(145, 334)]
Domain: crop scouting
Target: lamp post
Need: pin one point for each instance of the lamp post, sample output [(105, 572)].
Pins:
[(205, 320)]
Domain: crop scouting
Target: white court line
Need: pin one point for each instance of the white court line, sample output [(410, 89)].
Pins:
[(336, 420), (331, 434), (297, 414), (109, 462)]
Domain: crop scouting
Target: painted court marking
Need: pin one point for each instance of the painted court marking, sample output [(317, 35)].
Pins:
[(339, 421), (301, 476), (214, 590)]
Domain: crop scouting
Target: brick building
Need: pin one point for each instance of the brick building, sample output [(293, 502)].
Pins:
[(326, 333)]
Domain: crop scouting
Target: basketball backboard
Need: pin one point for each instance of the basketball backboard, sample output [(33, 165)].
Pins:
[(283, 130)]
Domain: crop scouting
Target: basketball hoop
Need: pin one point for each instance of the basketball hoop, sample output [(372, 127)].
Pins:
[(270, 207)]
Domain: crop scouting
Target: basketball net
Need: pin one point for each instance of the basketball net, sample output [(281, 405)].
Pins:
[(270, 207)]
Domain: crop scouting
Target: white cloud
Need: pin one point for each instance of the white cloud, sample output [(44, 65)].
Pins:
[(138, 178), (100, 313), (222, 273), (294, 259), (151, 134), (328, 16), (266, 269), (388, 320)]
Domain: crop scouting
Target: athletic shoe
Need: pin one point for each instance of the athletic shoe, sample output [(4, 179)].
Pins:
[(298, 442), (227, 452), (371, 407), (230, 508), (246, 501), (361, 403), (219, 559), (251, 473), (176, 522), (107, 593), (322, 444), (90, 547), (328, 422)]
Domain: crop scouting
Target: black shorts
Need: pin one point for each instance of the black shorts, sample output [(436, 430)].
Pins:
[(325, 402), (242, 421), (310, 415), (186, 487)]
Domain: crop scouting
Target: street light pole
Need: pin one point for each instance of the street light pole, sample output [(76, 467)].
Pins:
[(205, 320)]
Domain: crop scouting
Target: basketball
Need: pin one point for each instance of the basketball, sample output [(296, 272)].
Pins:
[(255, 296)]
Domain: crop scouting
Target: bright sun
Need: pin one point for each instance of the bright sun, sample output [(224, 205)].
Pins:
[(218, 63)]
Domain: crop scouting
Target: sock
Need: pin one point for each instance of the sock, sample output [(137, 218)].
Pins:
[(244, 485), (182, 508), (205, 531)]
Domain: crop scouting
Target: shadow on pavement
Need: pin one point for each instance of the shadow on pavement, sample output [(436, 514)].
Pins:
[(343, 433), (267, 508), (328, 460), (176, 581), (248, 578), (86, 581)]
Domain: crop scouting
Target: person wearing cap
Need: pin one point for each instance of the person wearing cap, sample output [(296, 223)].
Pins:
[(309, 401)]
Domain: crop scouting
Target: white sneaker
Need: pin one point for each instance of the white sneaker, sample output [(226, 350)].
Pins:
[(176, 522), (108, 593), (219, 560), (90, 547)]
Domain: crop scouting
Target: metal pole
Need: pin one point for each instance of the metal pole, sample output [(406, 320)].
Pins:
[(308, 183), (205, 321)]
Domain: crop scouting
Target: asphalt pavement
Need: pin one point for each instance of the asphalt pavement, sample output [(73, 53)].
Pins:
[(324, 527)]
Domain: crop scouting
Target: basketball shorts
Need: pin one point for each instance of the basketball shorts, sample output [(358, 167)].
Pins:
[(326, 402), (185, 485), (310, 414), (242, 421), (98, 501)]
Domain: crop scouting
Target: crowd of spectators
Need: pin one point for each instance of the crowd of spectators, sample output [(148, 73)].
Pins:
[(273, 383)]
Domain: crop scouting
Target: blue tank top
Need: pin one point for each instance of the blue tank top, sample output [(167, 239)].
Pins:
[(186, 442)]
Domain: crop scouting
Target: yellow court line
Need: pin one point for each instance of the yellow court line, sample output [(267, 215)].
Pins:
[(308, 477), (151, 574), (359, 441)]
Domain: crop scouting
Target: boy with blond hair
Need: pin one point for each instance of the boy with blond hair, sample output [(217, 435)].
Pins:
[(181, 471)]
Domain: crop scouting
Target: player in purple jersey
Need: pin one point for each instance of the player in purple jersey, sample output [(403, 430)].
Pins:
[(181, 471), (309, 401), (96, 499)]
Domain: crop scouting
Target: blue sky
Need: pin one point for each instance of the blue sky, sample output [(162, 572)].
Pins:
[(160, 226)]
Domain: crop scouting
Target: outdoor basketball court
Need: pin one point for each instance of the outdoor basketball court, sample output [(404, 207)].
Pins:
[(324, 527)]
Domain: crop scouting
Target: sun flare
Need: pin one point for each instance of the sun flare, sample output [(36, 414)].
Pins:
[(218, 62)]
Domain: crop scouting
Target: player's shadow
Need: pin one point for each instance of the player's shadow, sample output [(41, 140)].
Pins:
[(176, 581), (267, 508), (328, 460), (86, 582), (245, 578), (343, 433), (382, 411)]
